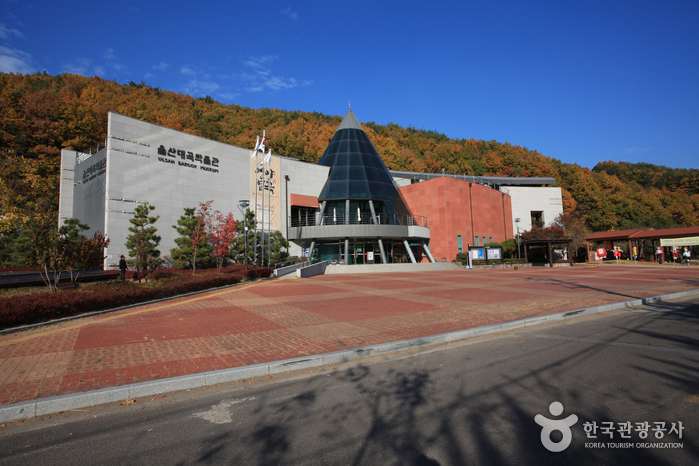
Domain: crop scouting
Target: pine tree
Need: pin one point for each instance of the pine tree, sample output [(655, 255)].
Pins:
[(192, 242), (237, 249), (143, 243)]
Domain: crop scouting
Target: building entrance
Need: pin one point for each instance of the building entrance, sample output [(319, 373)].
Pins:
[(361, 251)]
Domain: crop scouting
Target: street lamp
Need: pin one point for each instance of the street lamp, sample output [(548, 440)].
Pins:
[(243, 207), (519, 252), (288, 215)]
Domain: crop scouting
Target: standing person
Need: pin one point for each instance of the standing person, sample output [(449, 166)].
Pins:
[(687, 255), (674, 255), (122, 267), (617, 254)]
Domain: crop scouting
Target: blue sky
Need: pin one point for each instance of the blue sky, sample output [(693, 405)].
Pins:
[(582, 82)]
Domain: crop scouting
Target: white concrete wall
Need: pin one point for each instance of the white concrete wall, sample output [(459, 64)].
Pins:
[(527, 199), (137, 173), (65, 203)]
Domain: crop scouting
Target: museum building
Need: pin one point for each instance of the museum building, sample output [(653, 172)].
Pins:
[(347, 209)]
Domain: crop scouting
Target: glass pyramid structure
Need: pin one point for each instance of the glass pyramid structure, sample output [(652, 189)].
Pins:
[(357, 173)]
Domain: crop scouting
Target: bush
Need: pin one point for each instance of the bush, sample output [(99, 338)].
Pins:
[(27, 309)]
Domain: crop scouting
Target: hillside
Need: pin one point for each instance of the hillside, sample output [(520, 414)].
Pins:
[(40, 114)]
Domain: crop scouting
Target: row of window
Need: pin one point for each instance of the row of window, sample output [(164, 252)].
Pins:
[(475, 243)]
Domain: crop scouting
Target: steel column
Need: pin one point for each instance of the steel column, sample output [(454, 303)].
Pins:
[(322, 209), (373, 212), (410, 251), (310, 250), (383, 253), (427, 251)]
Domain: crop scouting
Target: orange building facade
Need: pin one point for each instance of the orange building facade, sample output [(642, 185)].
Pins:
[(460, 213)]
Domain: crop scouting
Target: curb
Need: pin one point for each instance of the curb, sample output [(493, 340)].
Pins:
[(51, 405)]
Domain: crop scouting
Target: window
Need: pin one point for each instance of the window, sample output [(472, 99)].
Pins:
[(491, 240), (537, 219), (460, 243), (476, 244), (484, 243)]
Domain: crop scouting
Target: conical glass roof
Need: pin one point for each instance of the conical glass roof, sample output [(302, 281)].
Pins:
[(357, 171)]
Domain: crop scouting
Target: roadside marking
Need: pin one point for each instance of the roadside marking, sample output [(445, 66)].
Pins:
[(218, 414), (119, 315), (623, 345)]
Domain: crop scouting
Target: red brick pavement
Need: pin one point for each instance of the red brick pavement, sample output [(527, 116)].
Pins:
[(289, 318)]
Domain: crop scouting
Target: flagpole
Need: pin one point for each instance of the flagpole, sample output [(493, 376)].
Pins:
[(256, 189), (257, 151), (262, 236), (269, 207)]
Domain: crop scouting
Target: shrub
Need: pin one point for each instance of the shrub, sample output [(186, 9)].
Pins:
[(27, 309)]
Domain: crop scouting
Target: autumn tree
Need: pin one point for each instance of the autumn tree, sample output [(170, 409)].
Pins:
[(552, 232), (575, 229), (80, 253), (41, 114), (28, 188), (91, 253), (143, 242), (220, 230)]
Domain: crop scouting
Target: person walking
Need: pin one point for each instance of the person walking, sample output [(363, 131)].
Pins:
[(687, 255), (122, 267)]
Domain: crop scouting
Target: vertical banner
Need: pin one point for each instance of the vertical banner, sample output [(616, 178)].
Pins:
[(266, 184)]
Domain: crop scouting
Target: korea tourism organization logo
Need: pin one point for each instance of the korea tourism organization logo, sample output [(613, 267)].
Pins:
[(550, 425), (651, 434)]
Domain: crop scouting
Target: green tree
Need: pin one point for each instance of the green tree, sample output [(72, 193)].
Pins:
[(279, 247), (15, 249), (43, 254), (143, 242), (509, 248), (54, 251), (237, 249), (77, 251), (192, 242)]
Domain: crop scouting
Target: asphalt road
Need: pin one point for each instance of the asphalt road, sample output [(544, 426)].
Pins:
[(467, 403)]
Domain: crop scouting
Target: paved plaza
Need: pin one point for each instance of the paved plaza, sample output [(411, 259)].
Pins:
[(281, 319)]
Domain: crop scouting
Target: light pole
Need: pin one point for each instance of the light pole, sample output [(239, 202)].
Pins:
[(243, 206), (288, 215), (519, 252)]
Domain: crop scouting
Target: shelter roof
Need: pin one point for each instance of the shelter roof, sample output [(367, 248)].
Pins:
[(614, 235), (644, 233), (300, 200)]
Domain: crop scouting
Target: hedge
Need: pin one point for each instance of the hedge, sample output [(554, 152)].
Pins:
[(28, 309)]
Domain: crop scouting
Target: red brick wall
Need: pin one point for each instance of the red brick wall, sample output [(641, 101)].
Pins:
[(447, 203)]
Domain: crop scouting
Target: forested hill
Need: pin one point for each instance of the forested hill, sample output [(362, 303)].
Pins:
[(40, 114)]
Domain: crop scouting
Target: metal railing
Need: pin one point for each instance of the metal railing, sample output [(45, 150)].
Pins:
[(359, 219), (82, 156)]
